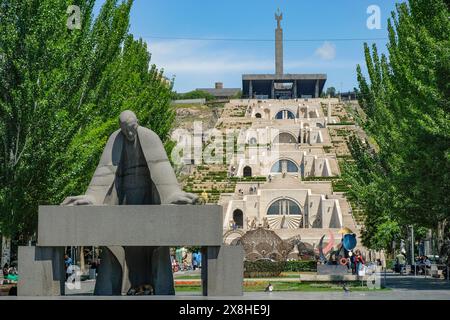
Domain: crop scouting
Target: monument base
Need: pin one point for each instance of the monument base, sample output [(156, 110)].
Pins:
[(332, 270), (41, 271), (223, 273), (42, 267)]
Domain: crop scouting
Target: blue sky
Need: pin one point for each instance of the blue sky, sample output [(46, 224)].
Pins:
[(168, 25)]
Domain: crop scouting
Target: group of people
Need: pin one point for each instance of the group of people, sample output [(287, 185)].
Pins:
[(183, 261), (253, 189), (422, 264), (356, 262), (10, 273)]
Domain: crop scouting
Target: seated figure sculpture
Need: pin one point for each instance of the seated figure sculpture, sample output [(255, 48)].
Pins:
[(133, 170)]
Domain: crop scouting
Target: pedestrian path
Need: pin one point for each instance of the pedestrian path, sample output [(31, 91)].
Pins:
[(401, 288), (416, 283)]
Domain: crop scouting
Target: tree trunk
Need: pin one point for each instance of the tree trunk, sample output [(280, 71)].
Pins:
[(6, 251), (441, 234)]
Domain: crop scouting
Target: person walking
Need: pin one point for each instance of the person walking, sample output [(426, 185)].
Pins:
[(353, 262), (359, 261), (400, 263), (68, 266), (199, 259), (194, 261)]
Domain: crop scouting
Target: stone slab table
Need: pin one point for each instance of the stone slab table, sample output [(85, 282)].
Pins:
[(42, 267)]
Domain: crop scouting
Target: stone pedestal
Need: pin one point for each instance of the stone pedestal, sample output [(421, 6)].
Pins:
[(223, 270), (337, 270), (41, 268), (41, 271)]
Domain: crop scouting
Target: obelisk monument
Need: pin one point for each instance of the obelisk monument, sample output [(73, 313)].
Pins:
[(278, 44)]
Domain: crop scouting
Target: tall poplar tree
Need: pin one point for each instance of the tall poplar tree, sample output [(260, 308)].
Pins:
[(61, 91), (402, 177)]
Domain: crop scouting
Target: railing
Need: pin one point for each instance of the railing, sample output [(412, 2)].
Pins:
[(431, 270)]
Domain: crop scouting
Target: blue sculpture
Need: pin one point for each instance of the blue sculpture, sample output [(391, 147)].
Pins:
[(349, 241)]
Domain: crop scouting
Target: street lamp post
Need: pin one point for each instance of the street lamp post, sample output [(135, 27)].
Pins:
[(412, 248)]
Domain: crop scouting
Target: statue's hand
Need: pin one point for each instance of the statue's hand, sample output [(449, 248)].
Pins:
[(83, 200), (182, 197)]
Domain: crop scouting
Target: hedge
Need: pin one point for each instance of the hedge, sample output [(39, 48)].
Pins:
[(300, 266), (249, 179), (266, 268), (263, 268), (344, 123), (321, 178), (390, 263)]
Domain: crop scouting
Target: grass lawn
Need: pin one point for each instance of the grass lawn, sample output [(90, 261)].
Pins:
[(259, 286), (188, 277), (294, 275)]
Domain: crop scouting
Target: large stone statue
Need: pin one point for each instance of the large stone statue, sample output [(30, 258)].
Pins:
[(278, 17), (133, 170)]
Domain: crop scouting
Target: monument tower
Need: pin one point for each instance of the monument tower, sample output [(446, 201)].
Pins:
[(280, 85), (278, 44)]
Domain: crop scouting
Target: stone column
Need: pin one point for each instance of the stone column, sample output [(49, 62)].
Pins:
[(317, 89), (222, 270), (295, 89), (250, 89), (273, 89)]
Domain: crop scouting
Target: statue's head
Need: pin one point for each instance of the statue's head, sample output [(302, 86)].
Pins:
[(128, 124)]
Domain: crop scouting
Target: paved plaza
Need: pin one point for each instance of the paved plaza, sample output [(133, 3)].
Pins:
[(399, 288)]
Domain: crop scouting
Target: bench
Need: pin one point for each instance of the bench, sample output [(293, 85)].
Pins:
[(435, 272), (408, 269), (41, 267)]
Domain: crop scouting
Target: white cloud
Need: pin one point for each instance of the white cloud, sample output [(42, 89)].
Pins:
[(327, 51)]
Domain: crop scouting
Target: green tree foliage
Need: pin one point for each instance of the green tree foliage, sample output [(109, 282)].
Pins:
[(196, 94), (61, 92), (238, 95), (331, 91), (402, 177)]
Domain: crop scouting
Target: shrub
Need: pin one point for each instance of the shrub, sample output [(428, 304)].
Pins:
[(263, 268), (196, 94), (346, 123), (390, 264), (266, 268), (300, 266), (321, 178)]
